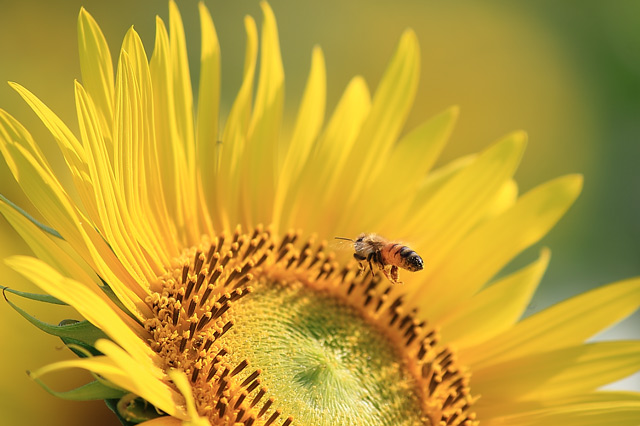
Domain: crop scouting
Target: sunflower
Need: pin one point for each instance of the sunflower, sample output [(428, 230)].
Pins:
[(196, 253)]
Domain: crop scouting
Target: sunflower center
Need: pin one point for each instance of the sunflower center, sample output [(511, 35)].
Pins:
[(324, 358), (271, 332)]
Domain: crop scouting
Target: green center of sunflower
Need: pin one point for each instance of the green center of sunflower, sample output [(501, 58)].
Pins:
[(272, 332), (324, 358)]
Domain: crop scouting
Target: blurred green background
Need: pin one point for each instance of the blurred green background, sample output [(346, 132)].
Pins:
[(566, 72)]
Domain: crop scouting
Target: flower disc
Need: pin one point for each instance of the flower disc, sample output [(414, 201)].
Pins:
[(330, 366), (267, 329)]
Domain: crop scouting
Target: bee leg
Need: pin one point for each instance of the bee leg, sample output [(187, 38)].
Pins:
[(392, 274), (371, 256), (359, 259)]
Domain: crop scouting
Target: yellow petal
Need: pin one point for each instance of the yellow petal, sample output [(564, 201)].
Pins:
[(258, 172), (434, 181), (559, 373), (69, 145), (113, 221), (43, 190), (177, 182), (61, 213), (489, 247), (595, 409), (12, 131), (495, 309), (162, 421), (208, 105), (183, 94), (184, 386), (566, 324), (137, 165), (504, 199), (89, 303), (97, 69), (97, 364), (73, 152), (131, 138), (44, 247), (445, 218), (148, 381), (411, 158), (122, 370), (391, 104), (318, 182), (307, 127), (233, 141)]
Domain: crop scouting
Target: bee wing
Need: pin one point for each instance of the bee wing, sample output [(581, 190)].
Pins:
[(341, 244)]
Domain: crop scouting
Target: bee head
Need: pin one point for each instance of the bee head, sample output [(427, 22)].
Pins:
[(415, 262)]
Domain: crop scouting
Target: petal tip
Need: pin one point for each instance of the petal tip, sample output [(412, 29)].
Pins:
[(545, 254), (520, 136), (454, 111), (83, 14), (575, 182), (410, 35), (267, 11)]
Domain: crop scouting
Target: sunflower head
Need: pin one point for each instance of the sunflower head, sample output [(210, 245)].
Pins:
[(196, 251)]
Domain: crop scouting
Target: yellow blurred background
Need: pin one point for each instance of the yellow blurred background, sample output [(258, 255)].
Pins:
[(566, 72)]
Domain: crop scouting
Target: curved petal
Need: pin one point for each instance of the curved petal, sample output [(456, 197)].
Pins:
[(72, 151), (409, 161), (258, 174), (146, 381), (97, 364), (595, 409), (179, 188), (566, 324), (307, 127), (321, 173), (232, 146), (182, 92), (63, 215), (162, 421), (45, 248), (208, 115), (93, 306), (495, 309), (488, 248), (114, 221), (97, 69), (184, 386), (558, 373), (141, 181), (452, 211), (390, 107)]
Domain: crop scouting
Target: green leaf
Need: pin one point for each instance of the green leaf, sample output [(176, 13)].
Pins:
[(112, 404), (90, 392), (42, 226), (106, 288), (82, 333), (131, 409), (33, 296), (81, 349)]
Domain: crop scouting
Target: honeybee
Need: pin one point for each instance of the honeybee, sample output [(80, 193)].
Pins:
[(386, 255)]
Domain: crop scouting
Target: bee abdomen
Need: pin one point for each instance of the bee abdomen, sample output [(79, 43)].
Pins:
[(396, 250), (405, 257), (405, 252)]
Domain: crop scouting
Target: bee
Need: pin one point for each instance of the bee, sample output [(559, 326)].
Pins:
[(386, 255)]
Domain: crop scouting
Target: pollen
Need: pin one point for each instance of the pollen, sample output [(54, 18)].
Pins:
[(275, 331)]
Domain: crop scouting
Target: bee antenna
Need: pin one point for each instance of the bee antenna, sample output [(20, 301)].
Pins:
[(342, 238)]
